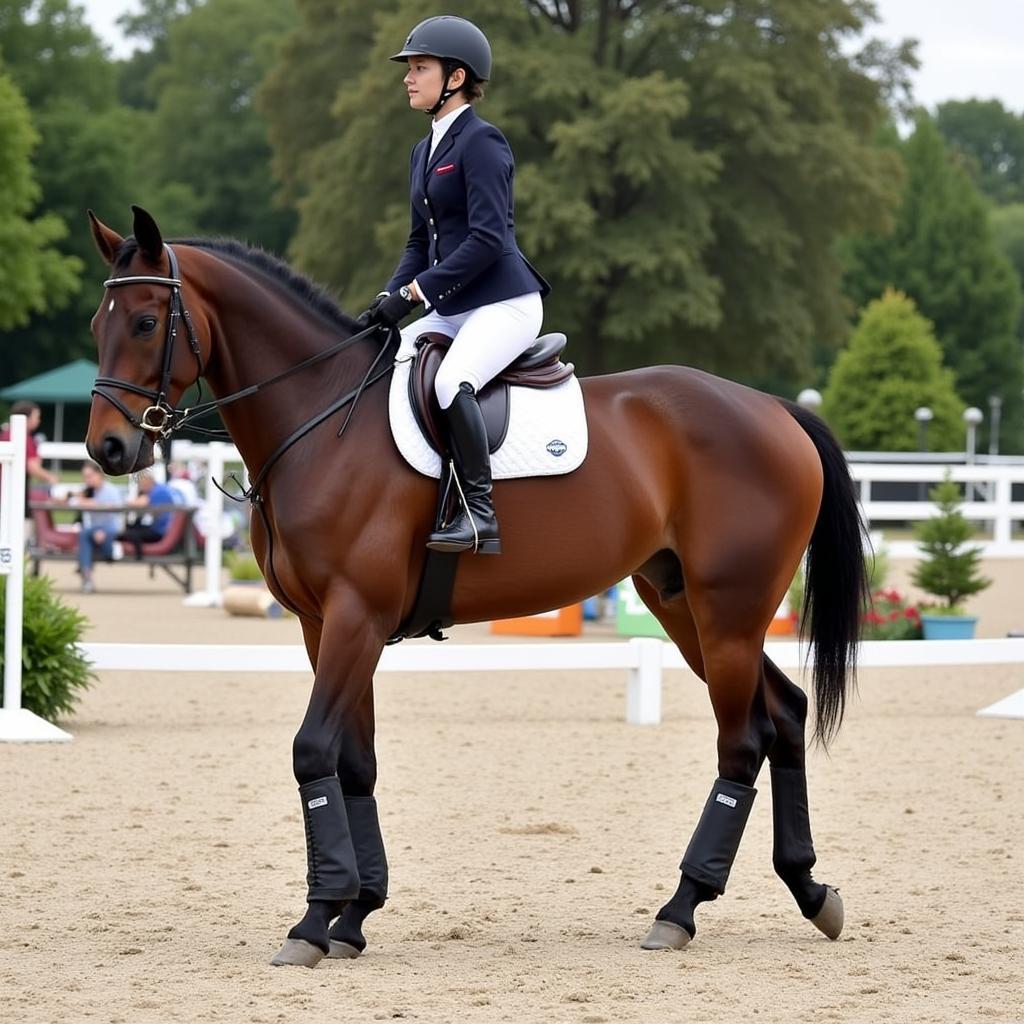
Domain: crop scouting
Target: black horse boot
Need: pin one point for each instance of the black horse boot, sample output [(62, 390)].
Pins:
[(475, 528)]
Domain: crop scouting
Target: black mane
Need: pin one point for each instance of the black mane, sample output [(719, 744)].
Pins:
[(312, 294)]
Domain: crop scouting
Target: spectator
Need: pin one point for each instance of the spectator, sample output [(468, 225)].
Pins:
[(182, 484), (34, 468), (149, 528), (99, 528)]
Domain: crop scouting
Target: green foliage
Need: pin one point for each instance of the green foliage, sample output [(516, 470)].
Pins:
[(241, 565), (991, 139), (949, 570), (204, 133), (54, 672), (941, 252), (682, 171), (34, 276), (892, 365)]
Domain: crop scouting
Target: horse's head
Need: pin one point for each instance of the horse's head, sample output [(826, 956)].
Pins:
[(152, 345)]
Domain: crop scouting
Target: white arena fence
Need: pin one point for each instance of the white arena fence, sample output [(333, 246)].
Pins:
[(16, 723), (991, 488), (644, 658)]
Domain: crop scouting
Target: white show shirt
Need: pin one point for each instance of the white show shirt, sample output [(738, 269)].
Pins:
[(439, 126)]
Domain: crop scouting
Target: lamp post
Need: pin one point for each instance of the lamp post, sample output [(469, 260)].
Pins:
[(809, 398), (924, 416), (995, 413), (972, 417)]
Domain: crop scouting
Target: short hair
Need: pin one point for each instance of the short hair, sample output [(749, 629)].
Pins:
[(24, 408), (472, 88)]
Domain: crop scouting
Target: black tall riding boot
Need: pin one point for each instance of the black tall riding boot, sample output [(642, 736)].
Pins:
[(475, 528)]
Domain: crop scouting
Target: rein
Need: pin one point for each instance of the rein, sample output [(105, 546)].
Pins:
[(163, 419)]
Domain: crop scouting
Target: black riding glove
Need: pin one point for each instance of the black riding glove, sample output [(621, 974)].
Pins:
[(393, 309), (369, 316)]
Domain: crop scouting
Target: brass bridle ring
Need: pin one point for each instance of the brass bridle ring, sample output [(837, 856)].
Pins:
[(155, 427)]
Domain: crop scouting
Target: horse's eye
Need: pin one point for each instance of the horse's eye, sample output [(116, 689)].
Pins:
[(146, 325)]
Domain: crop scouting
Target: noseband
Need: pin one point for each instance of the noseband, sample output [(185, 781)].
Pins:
[(161, 418)]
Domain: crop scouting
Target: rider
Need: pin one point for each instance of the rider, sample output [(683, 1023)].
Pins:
[(461, 260)]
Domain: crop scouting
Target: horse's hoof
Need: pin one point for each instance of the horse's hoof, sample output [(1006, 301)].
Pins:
[(666, 935), (342, 950), (297, 953), (829, 920)]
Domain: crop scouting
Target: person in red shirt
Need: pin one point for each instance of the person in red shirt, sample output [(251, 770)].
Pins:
[(34, 468)]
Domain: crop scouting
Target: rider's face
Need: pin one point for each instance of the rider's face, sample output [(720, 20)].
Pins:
[(424, 81)]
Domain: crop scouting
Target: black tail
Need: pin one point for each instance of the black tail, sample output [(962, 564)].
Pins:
[(836, 582)]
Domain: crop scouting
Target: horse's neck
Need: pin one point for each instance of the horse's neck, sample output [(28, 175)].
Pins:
[(260, 334)]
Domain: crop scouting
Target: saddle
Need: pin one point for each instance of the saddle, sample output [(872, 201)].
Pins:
[(540, 366)]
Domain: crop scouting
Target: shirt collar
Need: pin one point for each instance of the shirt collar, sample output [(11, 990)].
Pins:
[(440, 125)]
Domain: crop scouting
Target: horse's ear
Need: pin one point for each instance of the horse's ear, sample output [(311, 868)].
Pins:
[(107, 239), (147, 234)]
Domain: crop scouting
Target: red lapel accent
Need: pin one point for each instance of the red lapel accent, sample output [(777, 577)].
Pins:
[(447, 169)]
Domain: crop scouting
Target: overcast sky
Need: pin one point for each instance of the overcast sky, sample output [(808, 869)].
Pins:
[(968, 48)]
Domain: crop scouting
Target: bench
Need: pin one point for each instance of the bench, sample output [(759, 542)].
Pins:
[(176, 550)]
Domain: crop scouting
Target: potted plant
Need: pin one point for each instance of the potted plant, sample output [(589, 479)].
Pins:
[(949, 570)]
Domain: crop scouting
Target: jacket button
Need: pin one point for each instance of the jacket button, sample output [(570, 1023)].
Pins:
[(435, 263), (435, 236), (426, 202), (431, 220)]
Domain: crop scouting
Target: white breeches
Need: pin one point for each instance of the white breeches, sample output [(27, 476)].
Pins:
[(485, 341)]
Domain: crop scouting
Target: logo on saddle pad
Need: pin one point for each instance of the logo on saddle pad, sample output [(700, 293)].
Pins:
[(320, 801), (556, 448)]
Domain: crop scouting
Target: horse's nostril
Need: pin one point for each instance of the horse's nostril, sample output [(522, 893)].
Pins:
[(113, 450)]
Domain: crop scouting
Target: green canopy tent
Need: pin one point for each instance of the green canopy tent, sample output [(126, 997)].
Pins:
[(68, 384)]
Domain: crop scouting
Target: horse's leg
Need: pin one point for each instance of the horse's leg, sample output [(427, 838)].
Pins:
[(357, 770), (793, 849), (720, 632), (347, 654)]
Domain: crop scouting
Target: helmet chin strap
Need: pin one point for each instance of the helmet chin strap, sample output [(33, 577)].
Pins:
[(446, 93)]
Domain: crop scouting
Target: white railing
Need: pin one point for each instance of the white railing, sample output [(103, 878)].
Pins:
[(989, 488), (16, 723), (644, 658)]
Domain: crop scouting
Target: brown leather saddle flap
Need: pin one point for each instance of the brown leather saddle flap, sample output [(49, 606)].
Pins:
[(538, 367)]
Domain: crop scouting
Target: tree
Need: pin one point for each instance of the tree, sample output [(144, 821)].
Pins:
[(942, 253), (205, 134), (991, 139), (86, 156), (34, 276), (682, 172), (949, 569), (892, 366)]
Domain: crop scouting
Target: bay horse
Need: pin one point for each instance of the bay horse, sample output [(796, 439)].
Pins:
[(706, 492)]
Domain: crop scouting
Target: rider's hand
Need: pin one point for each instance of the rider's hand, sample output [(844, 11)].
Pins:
[(369, 316), (396, 307)]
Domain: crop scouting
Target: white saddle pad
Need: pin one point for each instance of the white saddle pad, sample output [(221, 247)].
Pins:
[(547, 430)]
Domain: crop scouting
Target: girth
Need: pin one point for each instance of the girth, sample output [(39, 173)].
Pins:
[(538, 367)]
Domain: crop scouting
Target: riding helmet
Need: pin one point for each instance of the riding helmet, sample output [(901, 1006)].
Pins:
[(450, 39)]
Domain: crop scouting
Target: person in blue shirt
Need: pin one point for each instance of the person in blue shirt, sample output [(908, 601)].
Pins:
[(99, 528), (461, 260), (147, 529)]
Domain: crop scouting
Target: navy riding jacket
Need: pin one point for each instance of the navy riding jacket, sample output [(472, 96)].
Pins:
[(462, 245)]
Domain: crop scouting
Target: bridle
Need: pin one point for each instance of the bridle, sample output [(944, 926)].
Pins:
[(162, 419)]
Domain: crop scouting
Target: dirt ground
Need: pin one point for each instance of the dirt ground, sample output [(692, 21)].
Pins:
[(150, 869)]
